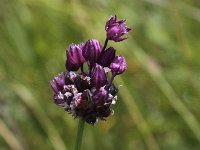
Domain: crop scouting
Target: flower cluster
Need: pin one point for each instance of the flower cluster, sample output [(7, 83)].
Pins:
[(90, 92)]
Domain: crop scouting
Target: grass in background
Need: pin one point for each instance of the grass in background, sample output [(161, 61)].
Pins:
[(158, 105)]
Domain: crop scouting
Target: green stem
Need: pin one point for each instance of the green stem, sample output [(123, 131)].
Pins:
[(105, 44), (79, 134)]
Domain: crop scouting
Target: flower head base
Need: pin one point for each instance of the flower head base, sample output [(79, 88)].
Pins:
[(90, 94), (116, 29)]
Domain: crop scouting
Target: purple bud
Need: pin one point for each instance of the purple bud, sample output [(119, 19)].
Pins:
[(98, 77), (100, 97), (92, 50), (118, 66), (116, 29), (74, 57), (107, 57), (58, 82)]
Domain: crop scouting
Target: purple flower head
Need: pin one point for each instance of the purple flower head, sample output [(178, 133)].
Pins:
[(74, 57), (92, 50), (116, 29), (85, 89), (98, 77), (107, 57), (100, 96), (118, 66), (58, 82)]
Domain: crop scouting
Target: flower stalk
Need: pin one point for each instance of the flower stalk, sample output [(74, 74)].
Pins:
[(105, 44), (79, 134)]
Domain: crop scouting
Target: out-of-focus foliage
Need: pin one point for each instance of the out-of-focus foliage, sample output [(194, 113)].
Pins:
[(159, 103)]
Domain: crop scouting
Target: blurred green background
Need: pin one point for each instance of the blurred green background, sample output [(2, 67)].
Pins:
[(159, 103)]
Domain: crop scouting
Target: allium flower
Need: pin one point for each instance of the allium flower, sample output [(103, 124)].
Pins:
[(118, 66), (90, 93), (74, 57), (92, 50), (116, 29)]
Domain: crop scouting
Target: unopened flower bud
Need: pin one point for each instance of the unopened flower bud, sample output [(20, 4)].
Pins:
[(100, 96), (98, 77), (92, 50), (118, 66), (116, 29), (74, 57), (107, 57)]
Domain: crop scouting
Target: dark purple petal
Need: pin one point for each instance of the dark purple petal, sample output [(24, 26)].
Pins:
[(98, 77), (107, 57)]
